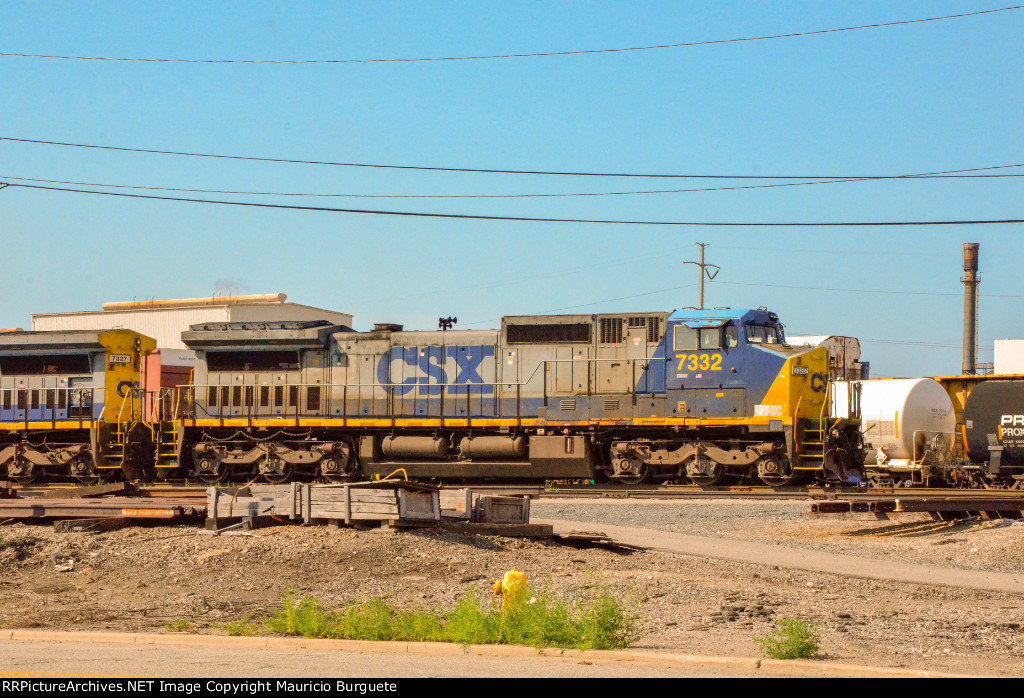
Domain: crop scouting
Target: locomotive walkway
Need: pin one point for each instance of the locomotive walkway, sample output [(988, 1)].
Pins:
[(796, 558)]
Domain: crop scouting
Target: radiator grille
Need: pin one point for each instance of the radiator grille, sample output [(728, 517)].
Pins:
[(611, 330), (654, 330), (568, 405)]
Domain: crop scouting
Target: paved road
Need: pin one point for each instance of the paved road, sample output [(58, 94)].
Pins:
[(797, 558), (41, 653), (93, 658)]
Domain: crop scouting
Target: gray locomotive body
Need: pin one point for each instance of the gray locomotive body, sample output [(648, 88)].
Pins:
[(561, 396)]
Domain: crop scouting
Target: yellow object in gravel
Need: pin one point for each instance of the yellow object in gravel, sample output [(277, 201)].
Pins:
[(513, 584)]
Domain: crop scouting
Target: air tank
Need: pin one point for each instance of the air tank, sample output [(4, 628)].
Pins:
[(905, 421), (415, 446), (994, 414), (479, 447)]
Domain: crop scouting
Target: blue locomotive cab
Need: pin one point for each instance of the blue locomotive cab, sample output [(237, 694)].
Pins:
[(722, 361)]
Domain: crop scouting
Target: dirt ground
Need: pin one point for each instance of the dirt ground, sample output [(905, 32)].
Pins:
[(145, 579)]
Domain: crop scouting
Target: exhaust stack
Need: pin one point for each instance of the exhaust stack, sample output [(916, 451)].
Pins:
[(970, 282)]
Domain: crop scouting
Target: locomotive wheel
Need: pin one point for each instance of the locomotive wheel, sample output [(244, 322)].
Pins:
[(335, 470), (704, 472), (211, 471), (86, 472), (636, 479), (281, 476), (22, 471), (775, 473)]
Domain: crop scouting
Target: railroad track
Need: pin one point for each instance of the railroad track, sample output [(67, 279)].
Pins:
[(882, 501), (198, 491)]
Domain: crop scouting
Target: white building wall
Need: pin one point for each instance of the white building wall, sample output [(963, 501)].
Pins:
[(1009, 356), (165, 325)]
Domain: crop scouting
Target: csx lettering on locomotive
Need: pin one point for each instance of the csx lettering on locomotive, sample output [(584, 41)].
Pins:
[(455, 367)]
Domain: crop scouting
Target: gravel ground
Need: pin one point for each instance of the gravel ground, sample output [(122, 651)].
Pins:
[(992, 545), (143, 579)]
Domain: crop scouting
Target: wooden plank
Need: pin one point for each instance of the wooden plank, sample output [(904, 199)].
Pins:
[(510, 530), (356, 508), (83, 492), (356, 497)]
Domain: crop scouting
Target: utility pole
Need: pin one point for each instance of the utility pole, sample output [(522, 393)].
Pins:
[(703, 269)]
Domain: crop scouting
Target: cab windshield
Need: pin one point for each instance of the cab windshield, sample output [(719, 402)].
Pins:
[(759, 334)]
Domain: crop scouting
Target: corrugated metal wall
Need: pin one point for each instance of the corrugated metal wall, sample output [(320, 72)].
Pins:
[(285, 311), (165, 325)]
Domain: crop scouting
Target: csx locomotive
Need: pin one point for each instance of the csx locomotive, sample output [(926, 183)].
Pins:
[(696, 396), (71, 405)]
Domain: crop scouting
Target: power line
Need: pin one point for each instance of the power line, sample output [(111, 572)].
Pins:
[(491, 196), (862, 290), (587, 305), (526, 219), (935, 345), (429, 168), (515, 55)]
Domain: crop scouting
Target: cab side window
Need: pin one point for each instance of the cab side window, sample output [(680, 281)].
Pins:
[(711, 338), (732, 336), (685, 338), (756, 334)]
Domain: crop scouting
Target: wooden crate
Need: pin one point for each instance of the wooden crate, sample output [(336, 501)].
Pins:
[(457, 504), (397, 503), (502, 510)]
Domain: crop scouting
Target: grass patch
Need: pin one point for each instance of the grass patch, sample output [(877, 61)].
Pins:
[(793, 639), (246, 627), (539, 619), (180, 626)]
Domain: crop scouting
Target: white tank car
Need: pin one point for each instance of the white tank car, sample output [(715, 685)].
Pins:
[(906, 422)]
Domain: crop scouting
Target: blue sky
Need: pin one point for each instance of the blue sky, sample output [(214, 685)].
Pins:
[(915, 98)]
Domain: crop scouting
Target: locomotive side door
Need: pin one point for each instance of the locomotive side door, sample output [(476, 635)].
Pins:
[(314, 364), (636, 355)]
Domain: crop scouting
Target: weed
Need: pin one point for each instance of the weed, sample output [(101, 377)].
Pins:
[(541, 620), (246, 627), (180, 626), (793, 639)]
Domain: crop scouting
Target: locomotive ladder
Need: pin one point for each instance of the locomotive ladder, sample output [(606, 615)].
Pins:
[(811, 451), (167, 444), (117, 444), (811, 446)]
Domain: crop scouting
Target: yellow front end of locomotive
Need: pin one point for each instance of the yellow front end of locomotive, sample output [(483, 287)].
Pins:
[(800, 389), (123, 367)]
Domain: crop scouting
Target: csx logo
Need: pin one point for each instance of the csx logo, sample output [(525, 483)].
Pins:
[(125, 387), (818, 382), (1011, 420), (457, 368)]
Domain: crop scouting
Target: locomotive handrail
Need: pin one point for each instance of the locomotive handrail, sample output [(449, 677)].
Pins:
[(48, 404), (246, 402), (247, 406)]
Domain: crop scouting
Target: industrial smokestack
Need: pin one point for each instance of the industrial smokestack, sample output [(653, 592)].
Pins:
[(970, 282)]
